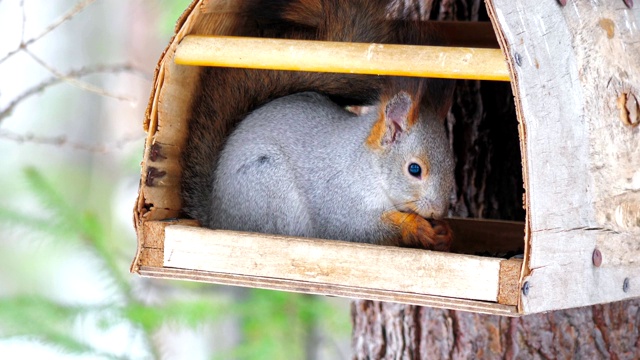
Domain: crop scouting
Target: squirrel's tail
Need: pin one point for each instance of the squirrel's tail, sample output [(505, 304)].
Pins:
[(331, 20), (226, 95)]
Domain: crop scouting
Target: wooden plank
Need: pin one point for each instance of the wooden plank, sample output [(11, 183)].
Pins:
[(330, 289), (336, 262), (568, 277), (151, 242), (487, 237), (356, 58), (509, 291), (571, 67)]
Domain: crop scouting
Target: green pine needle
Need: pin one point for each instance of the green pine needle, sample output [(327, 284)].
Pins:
[(189, 313), (44, 320)]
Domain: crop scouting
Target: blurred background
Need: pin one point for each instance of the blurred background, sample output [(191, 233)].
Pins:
[(75, 77)]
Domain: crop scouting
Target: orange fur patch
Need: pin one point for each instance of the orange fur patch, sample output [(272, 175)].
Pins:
[(374, 140), (414, 113), (415, 231), (409, 224), (380, 128), (425, 164)]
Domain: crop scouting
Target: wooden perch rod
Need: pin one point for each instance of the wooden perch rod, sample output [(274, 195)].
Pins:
[(356, 58)]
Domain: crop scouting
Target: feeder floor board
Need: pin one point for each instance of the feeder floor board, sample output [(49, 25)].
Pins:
[(330, 290), (177, 249)]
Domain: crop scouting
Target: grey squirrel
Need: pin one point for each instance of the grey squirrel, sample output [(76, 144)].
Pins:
[(302, 165), (369, 178)]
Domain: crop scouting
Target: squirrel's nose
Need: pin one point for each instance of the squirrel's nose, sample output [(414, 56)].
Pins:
[(434, 211)]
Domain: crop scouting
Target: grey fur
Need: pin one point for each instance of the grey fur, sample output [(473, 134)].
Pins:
[(299, 166)]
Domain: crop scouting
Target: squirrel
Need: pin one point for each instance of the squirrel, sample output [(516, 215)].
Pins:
[(302, 165), (384, 172)]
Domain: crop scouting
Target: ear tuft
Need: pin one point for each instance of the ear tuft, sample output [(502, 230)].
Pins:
[(397, 110), (397, 117), (393, 120)]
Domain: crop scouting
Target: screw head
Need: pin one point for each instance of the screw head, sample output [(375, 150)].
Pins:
[(625, 285), (525, 288), (518, 59), (596, 258)]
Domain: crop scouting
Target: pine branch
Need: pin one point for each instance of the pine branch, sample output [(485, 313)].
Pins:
[(94, 234), (29, 221), (66, 221), (189, 313), (62, 215), (44, 320)]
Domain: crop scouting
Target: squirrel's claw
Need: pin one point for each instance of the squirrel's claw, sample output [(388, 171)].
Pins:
[(441, 238)]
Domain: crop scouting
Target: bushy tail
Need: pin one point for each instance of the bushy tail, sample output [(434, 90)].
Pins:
[(332, 20), (226, 95)]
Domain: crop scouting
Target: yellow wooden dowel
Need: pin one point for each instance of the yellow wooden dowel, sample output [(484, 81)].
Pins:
[(356, 58)]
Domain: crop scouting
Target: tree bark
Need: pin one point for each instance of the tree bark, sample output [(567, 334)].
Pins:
[(395, 331), (483, 129)]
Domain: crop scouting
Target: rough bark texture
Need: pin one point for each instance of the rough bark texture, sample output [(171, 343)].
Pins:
[(394, 331), (484, 136)]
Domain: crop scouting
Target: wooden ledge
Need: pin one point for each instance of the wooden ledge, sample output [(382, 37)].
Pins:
[(330, 290), (329, 267)]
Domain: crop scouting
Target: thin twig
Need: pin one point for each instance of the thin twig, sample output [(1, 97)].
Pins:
[(74, 81), (62, 141), (118, 68), (24, 21), (71, 13)]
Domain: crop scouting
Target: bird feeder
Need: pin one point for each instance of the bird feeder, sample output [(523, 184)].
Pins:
[(575, 75)]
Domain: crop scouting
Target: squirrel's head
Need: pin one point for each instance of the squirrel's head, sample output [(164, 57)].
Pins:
[(413, 154)]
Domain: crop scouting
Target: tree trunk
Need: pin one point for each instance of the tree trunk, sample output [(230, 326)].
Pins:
[(483, 129), (395, 331)]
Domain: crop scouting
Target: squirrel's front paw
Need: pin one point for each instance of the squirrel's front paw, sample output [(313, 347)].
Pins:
[(442, 236), (428, 234), (418, 232)]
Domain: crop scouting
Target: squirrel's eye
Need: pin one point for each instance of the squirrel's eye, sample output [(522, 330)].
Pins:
[(415, 170)]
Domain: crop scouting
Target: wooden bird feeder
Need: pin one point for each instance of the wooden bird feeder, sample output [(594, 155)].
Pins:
[(575, 74)]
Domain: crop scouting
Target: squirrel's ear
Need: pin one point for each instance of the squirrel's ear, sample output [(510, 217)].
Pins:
[(394, 118), (396, 111)]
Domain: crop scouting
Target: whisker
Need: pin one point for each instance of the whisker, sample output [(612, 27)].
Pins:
[(394, 207), (405, 203)]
